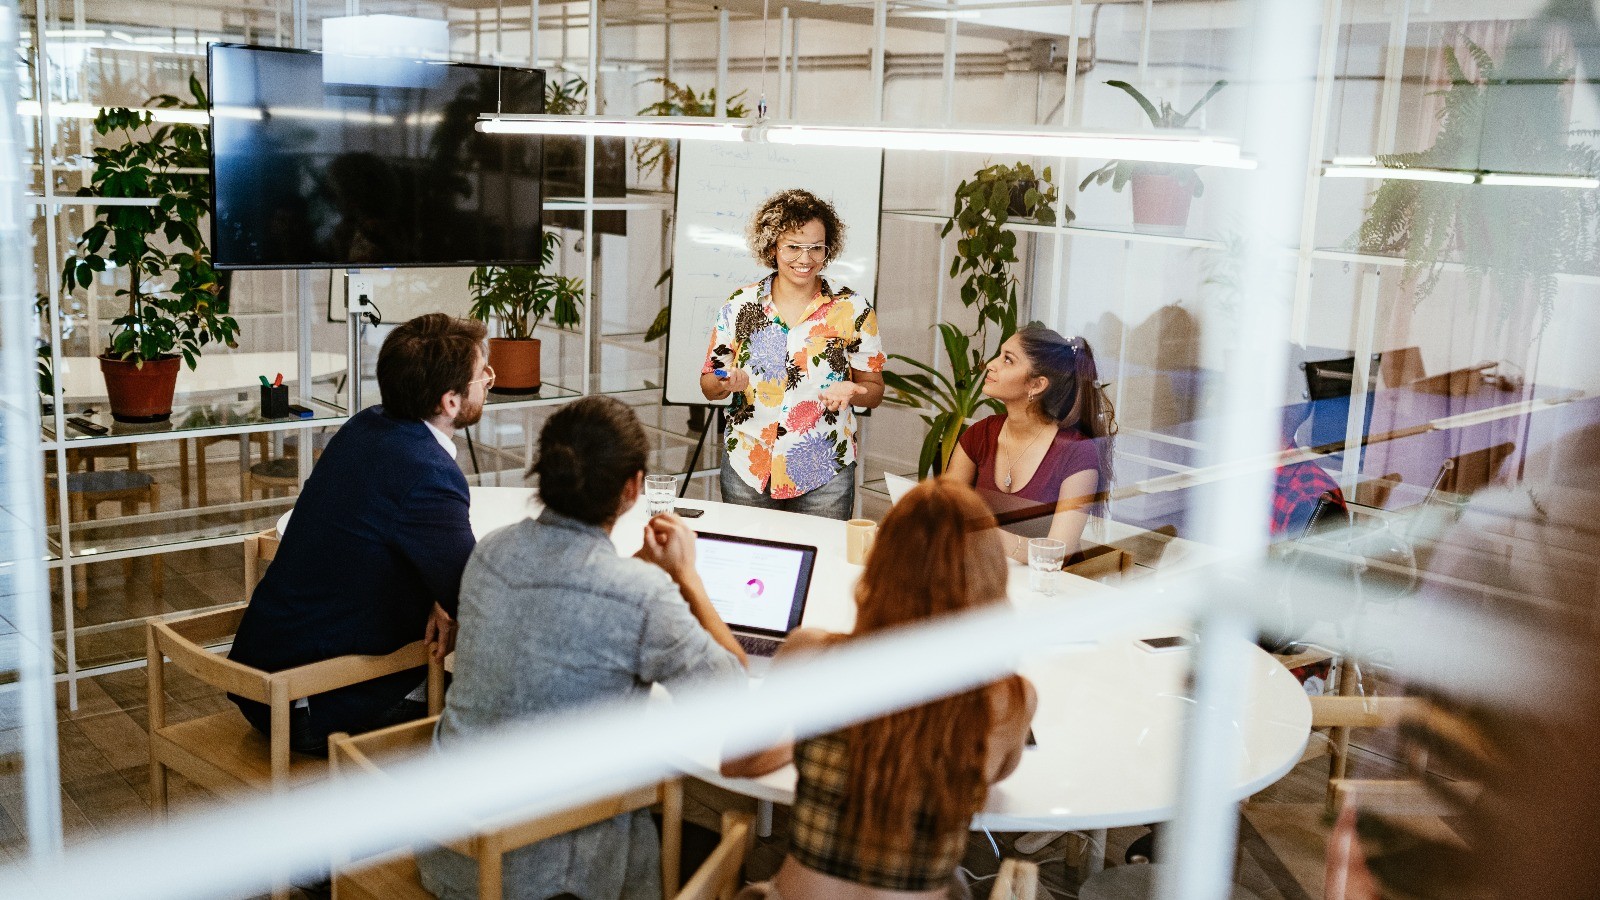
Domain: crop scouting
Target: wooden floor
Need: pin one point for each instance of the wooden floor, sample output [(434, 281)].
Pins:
[(104, 746)]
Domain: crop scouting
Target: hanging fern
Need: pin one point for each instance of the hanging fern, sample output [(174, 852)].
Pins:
[(1516, 237)]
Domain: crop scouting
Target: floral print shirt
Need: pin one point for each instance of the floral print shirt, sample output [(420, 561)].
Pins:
[(778, 429)]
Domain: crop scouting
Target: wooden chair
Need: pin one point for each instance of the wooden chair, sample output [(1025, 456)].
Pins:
[(272, 476), (260, 439), (396, 877), (87, 490), (221, 752), (1340, 714), (1018, 880)]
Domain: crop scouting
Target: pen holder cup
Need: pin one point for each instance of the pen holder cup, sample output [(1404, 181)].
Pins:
[(274, 401)]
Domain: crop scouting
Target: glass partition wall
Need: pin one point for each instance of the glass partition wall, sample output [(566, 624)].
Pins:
[(1413, 328)]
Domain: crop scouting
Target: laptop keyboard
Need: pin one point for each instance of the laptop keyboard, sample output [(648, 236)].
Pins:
[(757, 646)]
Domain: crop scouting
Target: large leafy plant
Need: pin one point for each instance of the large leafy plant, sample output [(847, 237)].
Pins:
[(522, 296), (985, 251), (1162, 115), (655, 154), (1517, 237), (176, 302)]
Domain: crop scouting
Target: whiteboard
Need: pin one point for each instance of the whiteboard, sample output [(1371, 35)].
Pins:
[(719, 187)]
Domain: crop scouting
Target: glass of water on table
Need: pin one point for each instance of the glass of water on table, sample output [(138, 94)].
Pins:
[(1045, 557), (660, 493)]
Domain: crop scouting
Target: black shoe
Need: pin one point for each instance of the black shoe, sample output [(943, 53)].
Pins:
[(1141, 851)]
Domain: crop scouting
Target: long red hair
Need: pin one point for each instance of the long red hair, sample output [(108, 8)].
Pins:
[(938, 552)]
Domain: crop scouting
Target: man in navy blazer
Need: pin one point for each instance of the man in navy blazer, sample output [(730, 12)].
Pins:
[(372, 559)]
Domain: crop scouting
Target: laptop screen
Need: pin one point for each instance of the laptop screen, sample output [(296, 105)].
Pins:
[(756, 585)]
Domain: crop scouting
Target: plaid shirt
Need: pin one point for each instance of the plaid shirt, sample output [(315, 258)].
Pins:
[(818, 839), (1294, 497)]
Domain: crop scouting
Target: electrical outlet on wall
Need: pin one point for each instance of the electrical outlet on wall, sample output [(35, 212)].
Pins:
[(357, 286)]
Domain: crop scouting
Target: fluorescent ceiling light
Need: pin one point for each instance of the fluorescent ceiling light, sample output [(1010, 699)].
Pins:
[(188, 116), (74, 110), (1199, 151), (688, 128), (1400, 174), (1581, 182), (1355, 160)]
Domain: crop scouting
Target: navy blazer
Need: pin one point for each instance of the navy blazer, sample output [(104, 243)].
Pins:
[(379, 535)]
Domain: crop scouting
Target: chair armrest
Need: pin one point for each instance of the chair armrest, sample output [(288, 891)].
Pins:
[(214, 627), (211, 668), (718, 875), (1364, 712), (343, 671), (366, 751), (1403, 797)]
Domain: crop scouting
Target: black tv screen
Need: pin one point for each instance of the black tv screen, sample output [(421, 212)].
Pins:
[(333, 162)]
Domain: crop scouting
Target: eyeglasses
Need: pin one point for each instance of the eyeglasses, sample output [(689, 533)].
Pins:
[(792, 252), (488, 376)]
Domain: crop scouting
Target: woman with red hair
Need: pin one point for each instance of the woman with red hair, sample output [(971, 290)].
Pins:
[(882, 808)]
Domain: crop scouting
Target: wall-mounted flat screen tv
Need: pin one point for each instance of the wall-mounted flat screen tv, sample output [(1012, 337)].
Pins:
[(323, 161)]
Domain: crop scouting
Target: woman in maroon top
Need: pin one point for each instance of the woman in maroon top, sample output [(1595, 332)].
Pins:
[(1040, 465)]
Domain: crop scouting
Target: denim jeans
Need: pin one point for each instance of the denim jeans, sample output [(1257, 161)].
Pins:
[(834, 500)]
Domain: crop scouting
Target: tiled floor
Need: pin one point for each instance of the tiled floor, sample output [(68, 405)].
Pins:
[(104, 777)]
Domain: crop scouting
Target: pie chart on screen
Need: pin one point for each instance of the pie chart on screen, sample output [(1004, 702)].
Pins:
[(754, 588)]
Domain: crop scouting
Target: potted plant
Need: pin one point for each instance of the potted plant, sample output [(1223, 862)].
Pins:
[(985, 250), (1517, 237), (176, 301), (655, 154), (521, 297), (1161, 191)]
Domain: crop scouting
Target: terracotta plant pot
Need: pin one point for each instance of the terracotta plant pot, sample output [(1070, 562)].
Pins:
[(516, 365), (140, 393), (1160, 203)]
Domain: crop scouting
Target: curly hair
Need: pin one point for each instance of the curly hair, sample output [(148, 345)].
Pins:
[(787, 211)]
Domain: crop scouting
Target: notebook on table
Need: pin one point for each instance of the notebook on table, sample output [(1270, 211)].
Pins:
[(758, 586)]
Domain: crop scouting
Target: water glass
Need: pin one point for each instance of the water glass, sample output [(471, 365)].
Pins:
[(1045, 557), (660, 493)]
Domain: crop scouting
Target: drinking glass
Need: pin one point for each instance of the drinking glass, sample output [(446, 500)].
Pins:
[(1044, 559), (660, 493)]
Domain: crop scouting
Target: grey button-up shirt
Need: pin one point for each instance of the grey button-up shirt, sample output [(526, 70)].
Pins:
[(551, 618)]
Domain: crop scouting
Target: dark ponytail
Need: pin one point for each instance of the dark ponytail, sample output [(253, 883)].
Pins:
[(587, 453), (1072, 395)]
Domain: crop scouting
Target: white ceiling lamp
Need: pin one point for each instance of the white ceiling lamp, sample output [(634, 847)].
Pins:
[(1579, 182), (1444, 175), (1199, 151), (687, 128), (1340, 169), (73, 110)]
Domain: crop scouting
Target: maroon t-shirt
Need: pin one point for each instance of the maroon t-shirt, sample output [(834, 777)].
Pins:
[(1069, 454)]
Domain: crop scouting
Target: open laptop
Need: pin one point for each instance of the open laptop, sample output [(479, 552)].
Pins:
[(758, 586)]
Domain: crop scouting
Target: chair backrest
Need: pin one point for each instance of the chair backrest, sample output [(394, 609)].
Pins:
[(1375, 493), (1101, 561), (1465, 474), (258, 549), (374, 751)]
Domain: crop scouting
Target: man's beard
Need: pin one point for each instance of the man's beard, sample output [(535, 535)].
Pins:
[(469, 414)]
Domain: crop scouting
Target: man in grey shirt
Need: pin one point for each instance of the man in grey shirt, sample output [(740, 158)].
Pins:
[(552, 619)]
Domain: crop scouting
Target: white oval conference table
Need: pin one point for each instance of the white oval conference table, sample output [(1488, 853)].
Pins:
[(1111, 715)]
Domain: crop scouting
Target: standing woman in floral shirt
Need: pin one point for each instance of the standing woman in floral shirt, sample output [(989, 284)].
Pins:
[(795, 353)]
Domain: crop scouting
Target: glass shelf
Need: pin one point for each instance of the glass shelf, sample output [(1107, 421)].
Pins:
[(192, 420)]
